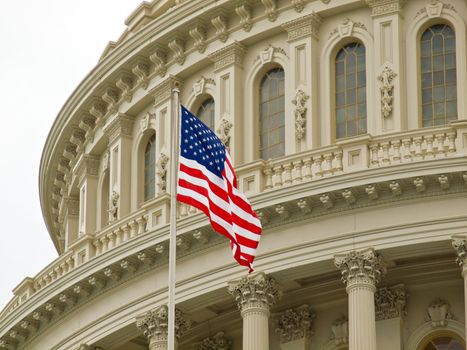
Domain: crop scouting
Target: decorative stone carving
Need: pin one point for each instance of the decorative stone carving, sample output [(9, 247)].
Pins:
[(349, 196), (459, 243), (294, 324), (267, 54), (177, 47), (395, 188), (255, 291), (141, 70), (326, 200), (199, 85), (282, 211), (390, 302), (243, 10), (443, 182), (419, 184), (227, 56), (303, 26), (120, 125), (300, 113), (298, 5), (385, 7), (125, 83), (159, 58), (372, 192), (219, 21), (216, 342), (161, 172), (163, 91), (89, 347), (111, 96), (98, 110), (223, 131), (270, 9), (346, 29), (113, 210), (340, 331), (387, 87), (439, 312), (364, 266), (145, 122), (198, 34)]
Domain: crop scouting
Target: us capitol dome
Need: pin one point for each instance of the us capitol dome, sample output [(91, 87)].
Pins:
[(347, 124)]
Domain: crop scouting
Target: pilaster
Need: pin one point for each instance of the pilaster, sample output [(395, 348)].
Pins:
[(459, 243), (390, 303), (119, 131), (71, 215), (304, 53), (361, 271), (255, 294), (389, 65), (154, 325), (87, 171), (228, 71)]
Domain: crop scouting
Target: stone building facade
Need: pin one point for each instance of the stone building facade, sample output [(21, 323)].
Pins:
[(347, 123)]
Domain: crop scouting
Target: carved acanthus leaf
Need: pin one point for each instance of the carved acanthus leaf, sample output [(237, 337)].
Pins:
[(177, 46), (141, 70), (220, 23), (364, 266), (216, 342), (300, 113), (198, 34), (270, 9), (223, 131), (161, 172), (159, 59), (390, 302), (243, 10), (294, 324), (387, 87)]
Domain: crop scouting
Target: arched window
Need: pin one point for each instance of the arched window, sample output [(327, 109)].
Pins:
[(150, 169), (206, 113), (350, 85), (438, 75), (443, 342), (271, 114)]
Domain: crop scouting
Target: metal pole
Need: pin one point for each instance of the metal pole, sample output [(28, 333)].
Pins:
[(173, 215)]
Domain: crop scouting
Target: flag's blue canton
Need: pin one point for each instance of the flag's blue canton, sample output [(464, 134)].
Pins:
[(201, 144)]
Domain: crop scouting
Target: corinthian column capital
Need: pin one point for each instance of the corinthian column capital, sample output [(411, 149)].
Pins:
[(256, 291), (459, 243), (360, 267), (154, 325)]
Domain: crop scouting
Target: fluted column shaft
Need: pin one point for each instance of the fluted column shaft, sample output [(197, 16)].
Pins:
[(255, 327), (361, 271), (254, 295), (362, 323)]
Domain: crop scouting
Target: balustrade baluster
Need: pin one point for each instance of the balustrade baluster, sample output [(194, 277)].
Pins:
[(418, 148), (308, 171), (133, 228), (277, 176), (126, 232), (338, 158), (141, 224), (407, 154), (396, 157), (267, 171), (440, 148), (327, 166), (288, 174), (452, 142), (374, 154), (317, 161), (297, 175), (429, 147), (385, 157)]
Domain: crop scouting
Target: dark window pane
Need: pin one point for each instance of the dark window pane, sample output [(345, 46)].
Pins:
[(351, 96), (438, 93), (206, 113), (451, 92), (150, 168), (426, 64), (427, 94), (272, 117), (450, 75)]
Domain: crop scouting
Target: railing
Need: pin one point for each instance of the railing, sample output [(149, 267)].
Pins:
[(346, 156)]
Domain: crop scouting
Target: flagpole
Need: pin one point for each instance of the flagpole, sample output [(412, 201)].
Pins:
[(173, 217)]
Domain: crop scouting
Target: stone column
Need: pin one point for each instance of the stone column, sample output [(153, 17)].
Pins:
[(459, 243), (361, 271), (154, 325), (254, 295), (294, 328)]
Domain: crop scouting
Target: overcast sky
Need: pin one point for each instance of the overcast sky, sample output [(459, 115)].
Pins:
[(46, 49)]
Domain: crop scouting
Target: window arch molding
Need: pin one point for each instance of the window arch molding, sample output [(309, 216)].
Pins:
[(415, 30), (420, 334), (138, 152), (328, 56), (251, 96), (198, 95)]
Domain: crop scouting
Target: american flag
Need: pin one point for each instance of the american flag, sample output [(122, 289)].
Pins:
[(207, 181)]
